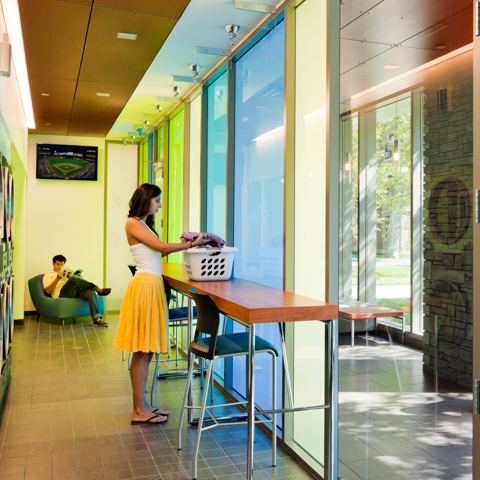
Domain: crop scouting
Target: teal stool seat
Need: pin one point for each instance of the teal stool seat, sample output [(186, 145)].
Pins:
[(235, 344), (58, 307)]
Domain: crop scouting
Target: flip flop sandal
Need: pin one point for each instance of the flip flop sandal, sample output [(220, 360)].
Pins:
[(98, 322), (161, 414), (144, 422)]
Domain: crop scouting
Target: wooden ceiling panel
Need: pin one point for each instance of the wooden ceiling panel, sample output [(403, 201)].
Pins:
[(54, 36), (60, 96), (371, 73), (453, 32), (161, 8), (434, 10), (353, 9), (88, 105), (353, 53), (109, 59), (51, 125), (393, 21), (89, 127)]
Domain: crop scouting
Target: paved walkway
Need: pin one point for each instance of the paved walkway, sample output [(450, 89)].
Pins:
[(390, 291)]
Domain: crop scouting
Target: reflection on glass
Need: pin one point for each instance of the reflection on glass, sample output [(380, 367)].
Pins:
[(348, 210), (394, 180), (217, 156), (259, 189), (175, 184)]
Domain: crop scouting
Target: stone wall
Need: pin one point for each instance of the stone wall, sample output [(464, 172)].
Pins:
[(448, 254)]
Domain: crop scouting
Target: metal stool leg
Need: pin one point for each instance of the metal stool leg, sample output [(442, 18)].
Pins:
[(129, 360), (176, 345), (211, 386), (123, 356), (155, 377), (184, 404), (200, 420)]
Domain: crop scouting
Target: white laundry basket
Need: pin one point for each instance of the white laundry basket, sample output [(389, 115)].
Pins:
[(209, 264)]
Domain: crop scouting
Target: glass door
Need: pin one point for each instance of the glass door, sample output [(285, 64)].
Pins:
[(405, 397)]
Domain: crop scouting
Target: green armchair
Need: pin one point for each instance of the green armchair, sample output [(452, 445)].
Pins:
[(58, 307)]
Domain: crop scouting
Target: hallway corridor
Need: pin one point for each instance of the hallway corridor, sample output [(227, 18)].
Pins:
[(67, 415)]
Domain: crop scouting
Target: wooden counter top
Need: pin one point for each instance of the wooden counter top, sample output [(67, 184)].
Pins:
[(252, 302)]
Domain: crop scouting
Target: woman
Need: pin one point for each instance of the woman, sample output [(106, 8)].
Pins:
[(143, 324)]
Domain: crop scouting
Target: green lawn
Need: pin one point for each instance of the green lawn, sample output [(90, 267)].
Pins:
[(387, 276), (396, 304)]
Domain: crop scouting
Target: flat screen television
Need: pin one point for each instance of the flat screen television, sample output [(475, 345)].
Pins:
[(66, 162)]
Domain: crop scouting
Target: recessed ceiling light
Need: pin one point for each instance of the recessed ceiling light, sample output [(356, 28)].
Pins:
[(103, 94), (127, 36), (390, 66), (441, 47), (45, 94)]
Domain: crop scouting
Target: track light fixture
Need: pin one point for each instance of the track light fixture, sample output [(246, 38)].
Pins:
[(232, 31), (176, 90), (195, 70), (158, 109)]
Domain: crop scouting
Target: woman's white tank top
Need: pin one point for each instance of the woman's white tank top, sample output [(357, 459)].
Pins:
[(146, 259)]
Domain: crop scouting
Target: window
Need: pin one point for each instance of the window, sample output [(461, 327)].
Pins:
[(217, 156), (258, 204)]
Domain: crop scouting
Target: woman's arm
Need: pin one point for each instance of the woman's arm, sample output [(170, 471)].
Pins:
[(142, 234)]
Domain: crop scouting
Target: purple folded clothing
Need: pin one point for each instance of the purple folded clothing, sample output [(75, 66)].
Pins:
[(192, 236)]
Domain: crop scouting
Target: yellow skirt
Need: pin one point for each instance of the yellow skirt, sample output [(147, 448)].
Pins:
[(143, 323)]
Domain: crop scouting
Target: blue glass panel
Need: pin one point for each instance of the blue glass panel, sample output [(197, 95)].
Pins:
[(217, 156), (259, 163)]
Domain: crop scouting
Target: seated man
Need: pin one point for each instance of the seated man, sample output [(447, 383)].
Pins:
[(57, 286)]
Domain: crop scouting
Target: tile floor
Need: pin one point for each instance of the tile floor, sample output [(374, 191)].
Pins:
[(67, 416), (396, 422)]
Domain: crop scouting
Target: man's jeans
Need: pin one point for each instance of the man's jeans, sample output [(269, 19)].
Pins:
[(77, 287)]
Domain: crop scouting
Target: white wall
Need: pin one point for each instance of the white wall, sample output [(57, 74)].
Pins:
[(64, 217), (121, 183)]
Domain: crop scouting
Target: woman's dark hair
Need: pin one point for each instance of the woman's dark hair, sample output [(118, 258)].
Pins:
[(140, 203), (59, 258)]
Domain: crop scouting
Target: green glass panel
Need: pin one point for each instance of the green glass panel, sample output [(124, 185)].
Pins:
[(175, 184), (158, 176)]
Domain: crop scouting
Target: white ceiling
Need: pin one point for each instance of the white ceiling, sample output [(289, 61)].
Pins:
[(202, 24)]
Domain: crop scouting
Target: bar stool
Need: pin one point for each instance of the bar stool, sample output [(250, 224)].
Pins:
[(209, 345)]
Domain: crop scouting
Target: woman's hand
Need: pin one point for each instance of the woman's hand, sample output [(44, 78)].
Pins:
[(201, 241)]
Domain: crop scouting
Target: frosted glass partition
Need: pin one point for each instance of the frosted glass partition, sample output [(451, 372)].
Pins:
[(310, 219), (217, 156), (259, 107), (175, 184), (195, 164)]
